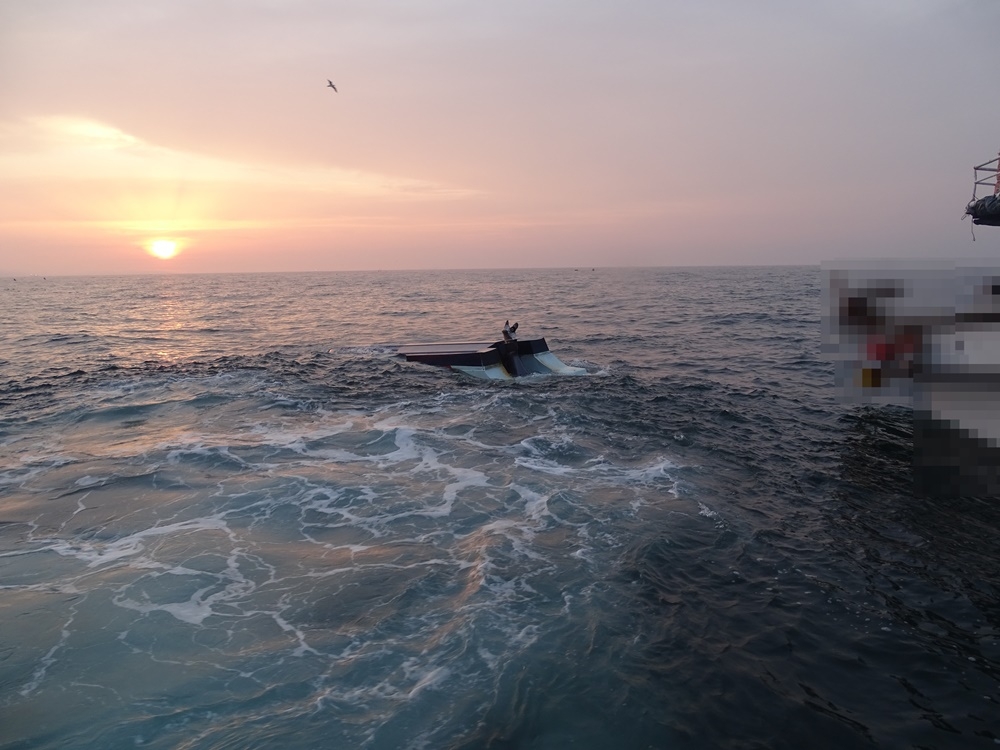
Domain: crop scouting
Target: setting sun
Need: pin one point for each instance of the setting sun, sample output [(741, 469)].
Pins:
[(163, 249)]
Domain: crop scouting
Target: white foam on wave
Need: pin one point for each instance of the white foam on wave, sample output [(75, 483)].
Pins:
[(544, 465), (433, 678), (202, 448), (417, 467), (227, 587), (704, 510), (329, 503), (297, 438), (96, 554), (192, 612), (89, 481), (303, 648), (489, 658), (527, 635), (50, 657), (404, 682), (31, 467), (519, 535), (409, 448), (536, 505), (412, 458), (657, 475), (654, 473)]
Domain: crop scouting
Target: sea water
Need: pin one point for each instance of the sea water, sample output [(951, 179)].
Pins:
[(231, 517)]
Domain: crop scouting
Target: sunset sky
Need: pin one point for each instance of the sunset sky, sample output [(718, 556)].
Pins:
[(468, 134)]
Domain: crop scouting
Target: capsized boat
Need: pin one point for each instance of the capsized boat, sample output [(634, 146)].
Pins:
[(499, 360)]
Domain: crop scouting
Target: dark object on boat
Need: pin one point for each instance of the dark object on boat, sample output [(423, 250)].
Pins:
[(509, 331), (985, 211), (499, 360)]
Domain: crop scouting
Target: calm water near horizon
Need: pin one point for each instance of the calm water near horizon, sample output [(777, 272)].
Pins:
[(230, 517)]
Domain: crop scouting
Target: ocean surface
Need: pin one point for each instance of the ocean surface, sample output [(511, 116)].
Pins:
[(230, 517)]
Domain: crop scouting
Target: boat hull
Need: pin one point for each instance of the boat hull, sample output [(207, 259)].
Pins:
[(499, 360)]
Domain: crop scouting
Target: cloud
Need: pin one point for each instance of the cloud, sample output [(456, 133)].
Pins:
[(76, 149)]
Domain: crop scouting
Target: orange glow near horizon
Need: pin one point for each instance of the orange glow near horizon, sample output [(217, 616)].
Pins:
[(163, 249)]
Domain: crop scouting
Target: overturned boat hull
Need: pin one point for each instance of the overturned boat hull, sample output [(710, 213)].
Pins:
[(499, 360)]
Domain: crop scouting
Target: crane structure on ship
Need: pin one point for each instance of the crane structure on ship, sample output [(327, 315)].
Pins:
[(986, 210)]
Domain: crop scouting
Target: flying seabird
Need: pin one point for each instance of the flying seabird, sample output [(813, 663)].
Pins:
[(330, 84)]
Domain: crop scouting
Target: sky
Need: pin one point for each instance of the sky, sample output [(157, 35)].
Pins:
[(523, 133)]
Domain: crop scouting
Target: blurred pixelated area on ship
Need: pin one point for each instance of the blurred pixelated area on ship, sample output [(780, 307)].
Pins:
[(926, 336)]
